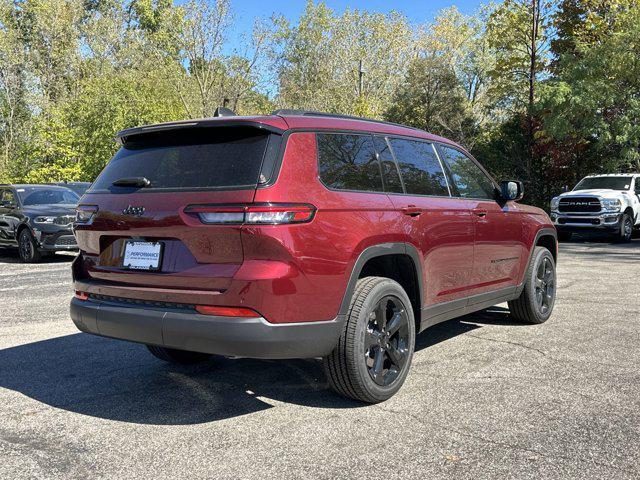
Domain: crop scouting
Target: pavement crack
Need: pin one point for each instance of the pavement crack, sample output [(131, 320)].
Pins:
[(489, 339), (511, 446)]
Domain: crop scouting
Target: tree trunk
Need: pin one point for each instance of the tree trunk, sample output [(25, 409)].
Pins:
[(535, 17)]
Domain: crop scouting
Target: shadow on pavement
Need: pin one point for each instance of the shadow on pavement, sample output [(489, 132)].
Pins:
[(10, 255), (121, 381), (603, 248)]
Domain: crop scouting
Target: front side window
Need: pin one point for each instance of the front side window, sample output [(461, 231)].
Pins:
[(468, 178), (419, 167), (348, 162)]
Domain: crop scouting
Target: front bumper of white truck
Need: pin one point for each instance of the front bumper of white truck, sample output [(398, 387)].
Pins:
[(573, 222)]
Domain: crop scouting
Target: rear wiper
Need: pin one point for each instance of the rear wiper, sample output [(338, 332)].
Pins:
[(141, 182)]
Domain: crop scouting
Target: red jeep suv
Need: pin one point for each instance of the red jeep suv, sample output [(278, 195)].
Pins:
[(302, 234)]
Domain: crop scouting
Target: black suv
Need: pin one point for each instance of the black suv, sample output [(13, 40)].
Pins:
[(37, 219)]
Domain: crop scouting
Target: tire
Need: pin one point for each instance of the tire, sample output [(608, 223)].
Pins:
[(27, 248), (180, 357), (535, 303), (564, 236), (373, 355), (626, 229)]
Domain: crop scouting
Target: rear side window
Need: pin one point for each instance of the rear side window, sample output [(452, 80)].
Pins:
[(390, 173), (469, 179), (190, 159), (348, 162), (420, 168)]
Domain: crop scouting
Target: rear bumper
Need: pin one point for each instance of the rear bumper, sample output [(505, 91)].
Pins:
[(187, 330)]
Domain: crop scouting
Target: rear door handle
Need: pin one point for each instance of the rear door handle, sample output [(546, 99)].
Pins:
[(411, 210), (480, 213)]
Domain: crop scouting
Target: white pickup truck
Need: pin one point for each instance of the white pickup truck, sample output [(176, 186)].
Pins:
[(599, 203)]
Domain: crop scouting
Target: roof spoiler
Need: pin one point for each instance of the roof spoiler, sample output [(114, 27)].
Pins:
[(125, 135)]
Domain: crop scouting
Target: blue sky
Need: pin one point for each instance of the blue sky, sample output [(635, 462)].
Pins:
[(418, 11)]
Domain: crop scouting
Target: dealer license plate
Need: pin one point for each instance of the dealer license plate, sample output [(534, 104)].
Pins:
[(142, 255)]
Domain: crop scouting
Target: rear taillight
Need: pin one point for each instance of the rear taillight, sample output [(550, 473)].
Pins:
[(255, 214), (85, 214), (227, 311), (81, 295)]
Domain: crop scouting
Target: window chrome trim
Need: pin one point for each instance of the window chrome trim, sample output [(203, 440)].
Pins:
[(444, 171), (385, 138)]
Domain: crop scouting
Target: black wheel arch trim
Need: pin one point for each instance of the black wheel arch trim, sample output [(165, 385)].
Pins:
[(440, 312), (380, 250), (545, 232)]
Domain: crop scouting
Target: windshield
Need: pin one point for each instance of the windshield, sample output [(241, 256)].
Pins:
[(46, 196), (205, 158), (597, 183), (79, 188)]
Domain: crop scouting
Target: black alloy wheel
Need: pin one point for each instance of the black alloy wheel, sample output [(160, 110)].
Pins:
[(538, 296), (372, 357), (27, 247), (387, 340), (545, 286)]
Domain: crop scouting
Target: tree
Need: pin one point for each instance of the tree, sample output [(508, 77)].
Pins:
[(455, 50), (14, 112), (584, 22), (518, 31), (213, 78), (432, 98), (461, 41), (594, 102), (317, 60)]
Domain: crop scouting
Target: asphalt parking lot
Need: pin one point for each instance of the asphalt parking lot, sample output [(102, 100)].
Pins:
[(486, 398)]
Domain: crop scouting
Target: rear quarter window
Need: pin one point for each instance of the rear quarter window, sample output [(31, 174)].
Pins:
[(348, 162), (192, 159)]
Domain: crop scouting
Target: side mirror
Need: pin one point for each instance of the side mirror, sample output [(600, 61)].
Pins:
[(565, 188), (511, 190)]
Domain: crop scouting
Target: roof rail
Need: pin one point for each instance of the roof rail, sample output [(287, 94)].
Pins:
[(311, 113)]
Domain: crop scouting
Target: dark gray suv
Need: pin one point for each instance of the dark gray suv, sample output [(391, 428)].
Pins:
[(37, 219)]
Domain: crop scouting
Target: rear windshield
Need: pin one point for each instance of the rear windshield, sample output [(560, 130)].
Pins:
[(611, 183), (190, 159)]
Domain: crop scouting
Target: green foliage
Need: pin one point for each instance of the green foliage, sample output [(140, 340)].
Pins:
[(75, 72), (517, 32), (539, 91), (54, 173), (594, 101), (433, 99), (317, 61)]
